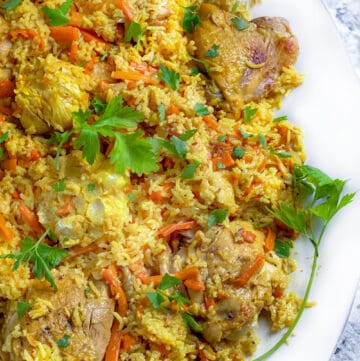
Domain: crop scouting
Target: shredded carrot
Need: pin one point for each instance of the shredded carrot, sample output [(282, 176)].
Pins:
[(222, 153), (10, 164), (157, 197), (194, 284), (262, 165), (5, 110), (110, 275), (89, 67), (64, 34), (210, 121), (269, 240), (78, 250), (5, 231), (146, 280), (42, 44), (171, 228), (203, 356), (277, 292), (76, 18), (74, 49), (30, 218), (66, 208), (125, 7), (143, 68), (24, 33), (244, 278), (127, 342), (103, 85), (34, 155), (172, 109), (91, 37), (131, 85), (133, 75), (6, 88), (2, 118), (15, 195), (113, 347), (209, 302), (188, 273)]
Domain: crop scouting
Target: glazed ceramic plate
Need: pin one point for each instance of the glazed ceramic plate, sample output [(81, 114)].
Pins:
[(327, 108)]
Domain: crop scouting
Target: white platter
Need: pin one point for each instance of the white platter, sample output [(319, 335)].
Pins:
[(327, 108)]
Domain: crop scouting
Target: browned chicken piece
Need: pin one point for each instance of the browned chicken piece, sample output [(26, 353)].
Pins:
[(87, 321), (231, 253), (249, 60)]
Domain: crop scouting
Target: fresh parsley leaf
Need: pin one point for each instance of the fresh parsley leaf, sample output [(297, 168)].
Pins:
[(217, 216), (58, 17), (91, 187), (282, 248), (240, 23), (244, 134), (99, 106), (203, 63), (190, 321), (195, 70), (220, 165), (201, 109), (188, 135), (105, 55), (134, 152), (11, 4), (294, 218), (42, 257), (222, 138), (170, 77), (133, 32), (61, 139), (280, 154), (22, 307), (131, 197), (213, 51), (168, 282), (190, 169), (60, 186), (3, 137), (238, 152), (179, 298), (156, 299), (177, 145), (191, 19), (262, 140), (64, 342), (161, 111), (249, 113), (280, 119), (235, 6)]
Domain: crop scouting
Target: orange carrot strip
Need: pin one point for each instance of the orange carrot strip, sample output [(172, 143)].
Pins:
[(269, 240), (30, 218), (24, 33), (90, 37), (125, 7), (194, 284), (6, 88), (127, 342), (10, 164), (146, 280), (209, 302), (5, 231), (277, 292), (76, 18), (172, 109), (2, 119), (89, 67), (73, 52), (78, 250), (66, 208), (210, 121), (188, 273), (110, 275), (244, 278), (5, 110), (133, 75), (113, 347), (171, 228), (64, 34)]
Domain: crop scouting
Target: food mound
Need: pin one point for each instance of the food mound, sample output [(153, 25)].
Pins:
[(140, 155)]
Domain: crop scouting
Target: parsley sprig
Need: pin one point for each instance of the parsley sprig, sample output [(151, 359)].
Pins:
[(318, 198), (11, 4), (191, 19), (58, 17), (159, 299), (42, 257)]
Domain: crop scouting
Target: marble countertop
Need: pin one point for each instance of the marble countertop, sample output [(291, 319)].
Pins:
[(346, 14)]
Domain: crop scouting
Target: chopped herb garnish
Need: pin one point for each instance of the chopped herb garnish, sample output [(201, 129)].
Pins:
[(11, 4), (131, 197), (91, 187), (105, 55), (282, 248), (161, 111), (64, 342), (190, 169), (61, 139), (244, 134), (22, 307), (322, 202), (203, 63), (170, 77), (240, 23), (99, 106), (87, 289), (213, 51), (280, 154), (188, 135), (133, 32), (168, 281), (60, 186), (222, 138), (42, 257), (220, 165), (58, 17), (249, 113), (217, 216), (201, 109), (195, 70), (156, 299), (280, 119), (262, 140), (190, 321), (2, 140), (238, 152), (191, 19), (82, 64), (176, 145), (235, 6)]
